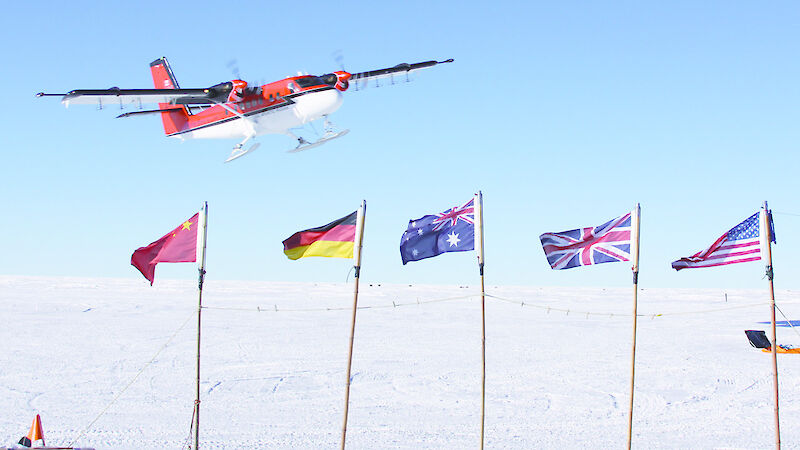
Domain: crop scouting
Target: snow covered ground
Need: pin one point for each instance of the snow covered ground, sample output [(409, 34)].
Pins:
[(76, 351)]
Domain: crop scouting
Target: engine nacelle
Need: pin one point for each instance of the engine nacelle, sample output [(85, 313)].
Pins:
[(342, 80), (237, 93)]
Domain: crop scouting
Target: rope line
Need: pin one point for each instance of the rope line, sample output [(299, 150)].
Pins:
[(187, 443), (600, 314), (274, 308), (394, 304), (781, 213), (787, 320), (130, 383)]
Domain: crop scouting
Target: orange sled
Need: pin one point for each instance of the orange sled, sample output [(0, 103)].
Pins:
[(758, 339)]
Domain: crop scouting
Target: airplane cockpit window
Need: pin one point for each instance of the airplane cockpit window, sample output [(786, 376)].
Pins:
[(291, 87), (329, 79), (309, 81)]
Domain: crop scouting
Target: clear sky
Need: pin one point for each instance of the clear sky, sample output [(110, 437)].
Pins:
[(565, 115)]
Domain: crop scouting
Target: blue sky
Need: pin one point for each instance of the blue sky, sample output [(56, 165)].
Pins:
[(565, 114)]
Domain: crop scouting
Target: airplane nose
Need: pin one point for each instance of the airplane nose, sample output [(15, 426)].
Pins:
[(315, 105), (338, 98), (330, 100)]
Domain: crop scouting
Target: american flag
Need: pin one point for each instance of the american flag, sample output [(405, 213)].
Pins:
[(609, 242), (741, 243)]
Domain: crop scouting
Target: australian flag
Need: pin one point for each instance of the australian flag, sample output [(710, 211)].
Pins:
[(432, 235), (609, 242)]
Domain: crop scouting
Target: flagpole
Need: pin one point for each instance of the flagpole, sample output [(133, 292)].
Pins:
[(201, 277), (357, 260), (479, 244), (636, 216), (765, 225)]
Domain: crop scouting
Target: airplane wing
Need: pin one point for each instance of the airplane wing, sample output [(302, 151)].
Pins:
[(137, 97), (404, 68)]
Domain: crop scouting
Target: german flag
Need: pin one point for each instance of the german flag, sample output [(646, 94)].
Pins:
[(334, 240)]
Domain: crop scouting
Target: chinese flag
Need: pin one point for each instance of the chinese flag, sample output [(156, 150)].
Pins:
[(179, 245)]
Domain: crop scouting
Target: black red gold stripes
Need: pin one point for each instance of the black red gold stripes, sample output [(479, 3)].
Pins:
[(334, 240)]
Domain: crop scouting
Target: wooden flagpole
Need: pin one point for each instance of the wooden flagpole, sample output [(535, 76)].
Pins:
[(767, 233), (362, 210), (635, 221), (479, 246), (202, 234)]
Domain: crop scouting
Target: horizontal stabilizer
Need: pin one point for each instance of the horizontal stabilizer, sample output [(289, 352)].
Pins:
[(149, 111)]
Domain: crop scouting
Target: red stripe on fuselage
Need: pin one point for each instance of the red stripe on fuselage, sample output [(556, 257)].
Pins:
[(272, 97)]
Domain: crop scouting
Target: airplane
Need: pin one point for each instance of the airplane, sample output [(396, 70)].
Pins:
[(234, 109)]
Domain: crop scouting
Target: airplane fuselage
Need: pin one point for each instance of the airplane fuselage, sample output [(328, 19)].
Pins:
[(270, 110)]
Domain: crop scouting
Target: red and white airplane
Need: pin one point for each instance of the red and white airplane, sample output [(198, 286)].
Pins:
[(234, 109)]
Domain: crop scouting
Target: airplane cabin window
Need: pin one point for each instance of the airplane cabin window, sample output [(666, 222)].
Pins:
[(309, 81)]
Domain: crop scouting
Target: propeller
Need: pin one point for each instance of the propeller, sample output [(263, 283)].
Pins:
[(338, 56), (233, 66)]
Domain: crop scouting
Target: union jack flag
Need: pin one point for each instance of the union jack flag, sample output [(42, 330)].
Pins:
[(609, 242), (431, 235)]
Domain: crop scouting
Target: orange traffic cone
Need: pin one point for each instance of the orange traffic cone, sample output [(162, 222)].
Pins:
[(34, 434)]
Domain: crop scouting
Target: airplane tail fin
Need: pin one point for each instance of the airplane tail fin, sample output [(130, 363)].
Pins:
[(175, 120)]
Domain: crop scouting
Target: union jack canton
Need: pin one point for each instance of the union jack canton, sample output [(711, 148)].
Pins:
[(609, 242), (431, 235)]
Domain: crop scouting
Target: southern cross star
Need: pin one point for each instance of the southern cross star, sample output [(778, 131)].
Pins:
[(453, 239)]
